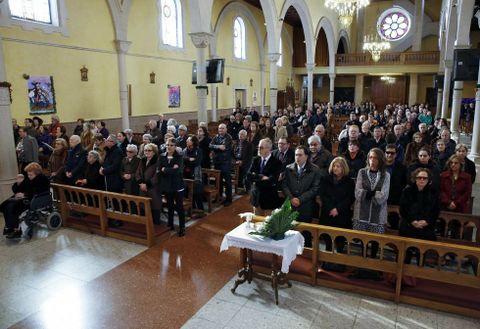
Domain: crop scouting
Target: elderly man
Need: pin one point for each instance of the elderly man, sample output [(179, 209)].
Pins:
[(263, 177), (402, 139), (300, 184), (320, 132), (353, 134), (243, 156), (129, 135), (221, 145), (319, 155), (182, 136), (111, 165), (154, 132), (162, 124), (76, 160)]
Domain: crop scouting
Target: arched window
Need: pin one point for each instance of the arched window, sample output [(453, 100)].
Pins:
[(239, 39), (171, 17), (279, 62), (40, 11)]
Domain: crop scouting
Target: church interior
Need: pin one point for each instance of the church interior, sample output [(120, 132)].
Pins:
[(125, 63)]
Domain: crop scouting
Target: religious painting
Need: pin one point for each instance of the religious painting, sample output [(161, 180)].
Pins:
[(41, 95), (173, 96)]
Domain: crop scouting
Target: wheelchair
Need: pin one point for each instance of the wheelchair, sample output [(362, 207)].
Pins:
[(41, 208)]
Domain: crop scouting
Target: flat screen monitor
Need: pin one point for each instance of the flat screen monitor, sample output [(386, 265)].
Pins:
[(214, 71)]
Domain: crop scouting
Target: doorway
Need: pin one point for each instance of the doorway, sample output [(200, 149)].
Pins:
[(240, 98)]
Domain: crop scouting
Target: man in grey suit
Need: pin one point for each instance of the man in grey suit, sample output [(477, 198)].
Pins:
[(27, 149)]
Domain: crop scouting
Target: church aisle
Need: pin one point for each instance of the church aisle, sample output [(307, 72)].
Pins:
[(162, 287)]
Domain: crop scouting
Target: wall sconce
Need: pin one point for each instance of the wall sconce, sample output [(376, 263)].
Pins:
[(251, 82), (228, 81), (152, 77), (84, 73)]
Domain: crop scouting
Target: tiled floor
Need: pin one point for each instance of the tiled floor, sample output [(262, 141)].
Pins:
[(42, 274), (68, 279), (304, 306)]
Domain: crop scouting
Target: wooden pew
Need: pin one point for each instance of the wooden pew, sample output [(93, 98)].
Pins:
[(93, 209), (449, 223), (439, 285)]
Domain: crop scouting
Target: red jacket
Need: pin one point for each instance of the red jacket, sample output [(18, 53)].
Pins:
[(459, 191)]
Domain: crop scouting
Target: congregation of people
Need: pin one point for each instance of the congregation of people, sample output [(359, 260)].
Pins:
[(400, 155)]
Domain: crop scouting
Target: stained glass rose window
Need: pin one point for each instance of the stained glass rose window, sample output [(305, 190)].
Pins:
[(394, 24)]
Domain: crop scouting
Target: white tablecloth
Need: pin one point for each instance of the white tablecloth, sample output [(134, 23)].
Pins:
[(288, 248)]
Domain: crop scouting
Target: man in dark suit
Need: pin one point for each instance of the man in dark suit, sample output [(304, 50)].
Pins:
[(162, 124), (284, 153), (221, 145), (263, 177), (398, 181), (76, 160)]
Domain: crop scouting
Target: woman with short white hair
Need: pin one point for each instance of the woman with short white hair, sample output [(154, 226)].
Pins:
[(129, 168)]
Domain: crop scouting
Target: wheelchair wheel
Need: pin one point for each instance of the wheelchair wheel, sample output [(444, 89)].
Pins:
[(54, 221)]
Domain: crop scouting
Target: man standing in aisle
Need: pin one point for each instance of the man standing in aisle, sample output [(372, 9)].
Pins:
[(221, 145)]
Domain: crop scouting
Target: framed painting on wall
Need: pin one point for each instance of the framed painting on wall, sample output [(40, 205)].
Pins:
[(173, 96), (41, 95)]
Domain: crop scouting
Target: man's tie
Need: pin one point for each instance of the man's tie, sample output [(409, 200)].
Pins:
[(262, 166), (282, 155)]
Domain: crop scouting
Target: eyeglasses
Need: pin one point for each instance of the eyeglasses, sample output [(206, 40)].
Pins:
[(390, 153), (421, 178)]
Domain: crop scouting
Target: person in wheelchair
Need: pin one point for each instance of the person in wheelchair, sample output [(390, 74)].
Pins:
[(24, 190)]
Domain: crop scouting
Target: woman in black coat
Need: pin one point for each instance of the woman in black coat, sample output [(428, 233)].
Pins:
[(337, 195), (147, 179), (170, 169), (419, 208), (90, 177), (204, 145), (24, 190)]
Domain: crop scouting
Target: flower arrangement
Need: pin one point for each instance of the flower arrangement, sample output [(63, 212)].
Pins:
[(280, 221)]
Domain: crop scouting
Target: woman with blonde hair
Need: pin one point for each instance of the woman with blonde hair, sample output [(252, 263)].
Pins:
[(280, 130), (337, 195), (455, 187)]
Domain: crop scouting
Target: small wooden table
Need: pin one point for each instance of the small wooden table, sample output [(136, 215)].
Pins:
[(288, 248)]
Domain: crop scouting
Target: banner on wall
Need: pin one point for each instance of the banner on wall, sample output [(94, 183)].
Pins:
[(41, 95), (173, 96)]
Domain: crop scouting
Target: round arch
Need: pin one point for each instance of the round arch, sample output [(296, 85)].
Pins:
[(345, 40), (303, 11), (239, 9), (325, 24)]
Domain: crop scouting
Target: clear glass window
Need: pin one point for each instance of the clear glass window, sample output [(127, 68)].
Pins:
[(239, 38), (171, 17), (32, 10)]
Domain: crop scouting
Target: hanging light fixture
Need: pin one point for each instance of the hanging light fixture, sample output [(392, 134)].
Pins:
[(346, 9), (375, 46)]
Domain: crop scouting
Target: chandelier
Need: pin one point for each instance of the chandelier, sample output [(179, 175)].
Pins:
[(375, 46), (346, 9), (387, 79)]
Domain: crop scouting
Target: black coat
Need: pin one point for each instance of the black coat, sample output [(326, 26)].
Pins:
[(94, 179), (111, 169), (418, 205), (304, 187), (171, 179), (76, 160), (130, 167), (339, 195), (204, 146), (398, 181), (264, 192), (434, 171), (147, 174)]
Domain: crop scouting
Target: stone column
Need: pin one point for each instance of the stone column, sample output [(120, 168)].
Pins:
[(273, 59), (456, 105), (359, 83), (122, 48), (201, 41), (446, 87), (360, 29), (262, 88), (332, 88), (8, 165), (310, 67), (413, 89), (213, 91), (439, 102), (418, 24), (475, 149)]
